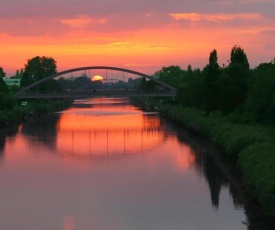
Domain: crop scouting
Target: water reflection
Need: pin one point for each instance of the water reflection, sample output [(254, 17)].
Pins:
[(146, 179), (102, 136), (2, 141), (219, 172), (2, 145), (4, 133), (84, 133), (41, 129), (69, 223), (81, 132)]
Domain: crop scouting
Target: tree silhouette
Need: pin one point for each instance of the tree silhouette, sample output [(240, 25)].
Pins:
[(3, 86), (235, 81), (212, 72), (38, 68)]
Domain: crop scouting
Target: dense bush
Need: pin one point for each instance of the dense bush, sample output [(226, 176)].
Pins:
[(232, 137), (260, 104), (7, 101), (236, 137), (257, 164)]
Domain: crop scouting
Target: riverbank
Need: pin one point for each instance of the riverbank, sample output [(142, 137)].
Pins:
[(35, 107), (250, 147)]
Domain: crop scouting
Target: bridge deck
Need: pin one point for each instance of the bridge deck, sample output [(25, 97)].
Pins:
[(79, 94)]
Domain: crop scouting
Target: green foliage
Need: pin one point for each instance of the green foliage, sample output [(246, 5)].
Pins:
[(191, 90), (171, 75), (14, 88), (263, 66), (44, 106), (147, 86), (19, 113), (257, 164), (19, 73), (2, 73), (13, 116), (7, 117), (234, 81), (260, 103), (232, 137), (50, 86), (236, 137), (7, 101), (238, 57), (3, 86), (38, 68)]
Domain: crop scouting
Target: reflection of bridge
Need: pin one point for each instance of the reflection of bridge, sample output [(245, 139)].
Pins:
[(163, 89), (103, 144)]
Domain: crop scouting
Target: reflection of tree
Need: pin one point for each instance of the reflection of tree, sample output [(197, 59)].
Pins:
[(218, 172), (43, 128), (2, 145), (10, 131), (210, 164), (214, 176)]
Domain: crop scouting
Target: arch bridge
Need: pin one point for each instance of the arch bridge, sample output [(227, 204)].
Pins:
[(163, 88)]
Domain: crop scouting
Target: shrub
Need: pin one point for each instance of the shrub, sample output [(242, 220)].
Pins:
[(257, 165)]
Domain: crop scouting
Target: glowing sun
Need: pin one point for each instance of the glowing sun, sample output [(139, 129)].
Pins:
[(97, 78)]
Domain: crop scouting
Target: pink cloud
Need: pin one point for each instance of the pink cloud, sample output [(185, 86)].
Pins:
[(32, 27)]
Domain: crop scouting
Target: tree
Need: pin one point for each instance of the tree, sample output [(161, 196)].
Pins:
[(18, 74), (2, 73), (190, 88), (7, 101), (260, 103), (238, 57), (235, 81), (147, 86), (171, 75), (3, 86), (189, 68), (211, 73), (38, 68)]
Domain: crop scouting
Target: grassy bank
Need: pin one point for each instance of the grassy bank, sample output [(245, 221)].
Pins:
[(20, 113), (251, 147)]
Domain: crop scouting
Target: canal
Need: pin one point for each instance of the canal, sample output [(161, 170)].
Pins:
[(104, 164)]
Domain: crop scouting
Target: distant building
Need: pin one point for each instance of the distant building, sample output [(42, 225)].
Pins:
[(12, 81)]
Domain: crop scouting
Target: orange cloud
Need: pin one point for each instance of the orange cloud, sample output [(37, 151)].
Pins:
[(194, 17), (83, 21), (76, 42)]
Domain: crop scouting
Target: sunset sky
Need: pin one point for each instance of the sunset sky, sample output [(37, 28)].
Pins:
[(142, 35)]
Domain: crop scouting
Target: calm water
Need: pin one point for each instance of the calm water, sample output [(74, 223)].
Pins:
[(106, 165)]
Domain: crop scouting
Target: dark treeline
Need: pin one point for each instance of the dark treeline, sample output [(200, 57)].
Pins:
[(234, 106), (248, 94)]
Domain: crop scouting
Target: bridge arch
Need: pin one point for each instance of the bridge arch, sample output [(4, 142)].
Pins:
[(169, 87)]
